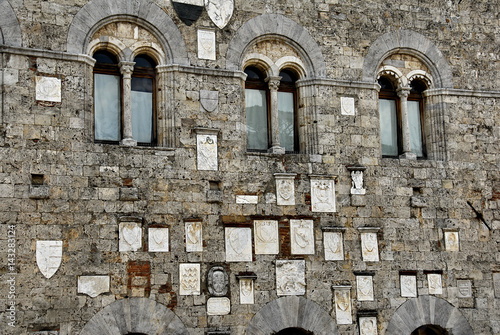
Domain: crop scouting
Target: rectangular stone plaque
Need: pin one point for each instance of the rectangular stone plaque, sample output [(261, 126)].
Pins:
[(496, 284), (343, 306), (435, 283), (451, 241), (238, 244), (302, 237), (285, 189), (369, 247), (48, 89), (207, 152), (347, 105), (290, 277), (194, 236), (246, 291), (206, 44), (323, 195), (367, 325), (265, 234), (130, 236), (189, 279), (408, 286), (93, 285), (464, 288), (158, 239), (247, 199), (218, 306), (334, 246), (364, 288)]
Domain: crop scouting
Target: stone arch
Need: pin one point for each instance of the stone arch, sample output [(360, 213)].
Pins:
[(408, 42), (276, 26), (428, 310), (10, 31), (145, 13), (135, 315), (292, 312)]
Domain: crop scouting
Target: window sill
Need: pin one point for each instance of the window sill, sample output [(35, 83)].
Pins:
[(135, 147)]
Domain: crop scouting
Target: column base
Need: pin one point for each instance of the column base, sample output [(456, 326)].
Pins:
[(408, 155), (128, 142), (276, 150)]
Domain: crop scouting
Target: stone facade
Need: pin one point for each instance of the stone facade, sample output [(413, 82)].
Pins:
[(197, 190)]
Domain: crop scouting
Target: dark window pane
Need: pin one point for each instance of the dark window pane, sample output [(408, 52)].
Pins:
[(105, 57), (254, 74), (144, 61)]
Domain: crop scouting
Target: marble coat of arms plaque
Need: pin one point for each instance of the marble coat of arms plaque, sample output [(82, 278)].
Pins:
[(290, 277), (343, 306), (246, 291), (408, 286), (323, 195), (369, 247), (266, 237), (130, 236), (435, 283), (334, 246), (158, 240), (368, 325), (194, 236), (207, 152), (48, 257), (302, 237), (189, 279), (285, 189), (220, 11), (364, 288), (238, 244)]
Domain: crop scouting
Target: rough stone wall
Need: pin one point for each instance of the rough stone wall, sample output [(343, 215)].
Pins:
[(88, 187)]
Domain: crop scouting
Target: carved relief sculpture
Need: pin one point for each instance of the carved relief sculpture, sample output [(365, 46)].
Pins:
[(217, 281), (464, 288), (368, 325), (48, 257), (207, 152), (238, 245), (246, 291), (130, 236), (369, 247), (302, 237), (158, 239), (209, 101), (206, 44), (290, 277), (323, 195), (48, 89), (194, 236), (285, 189), (451, 241), (334, 246), (408, 286), (343, 307), (266, 237), (364, 286), (189, 279), (218, 306), (357, 182), (220, 11), (347, 106), (435, 283)]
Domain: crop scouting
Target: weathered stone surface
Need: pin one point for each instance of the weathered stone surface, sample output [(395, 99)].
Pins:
[(93, 285)]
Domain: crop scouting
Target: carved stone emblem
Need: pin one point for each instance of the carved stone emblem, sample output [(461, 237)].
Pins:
[(347, 106), (158, 239), (334, 246), (194, 236), (368, 325), (238, 245), (218, 306), (357, 182), (220, 11), (285, 189), (364, 288), (189, 279), (209, 101), (130, 236), (302, 237), (93, 285), (266, 237), (207, 152), (435, 283), (188, 10), (464, 288), (48, 89), (369, 247), (246, 291), (451, 241), (290, 277), (323, 195), (206, 44), (408, 286), (218, 281), (343, 309), (48, 257)]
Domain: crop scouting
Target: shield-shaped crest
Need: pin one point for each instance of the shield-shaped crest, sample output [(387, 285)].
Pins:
[(188, 10), (342, 299), (48, 256), (266, 232), (220, 11)]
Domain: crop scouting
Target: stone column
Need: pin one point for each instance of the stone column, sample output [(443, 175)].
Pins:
[(403, 93), (126, 68), (274, 83)]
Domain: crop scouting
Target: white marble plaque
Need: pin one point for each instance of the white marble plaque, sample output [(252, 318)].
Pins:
[(265, 234), (347, 105), (191, 2), (93, 285), (302, 237), (207, 152), (364, 288), (218, 306), (247, 199), (238, 245), (209, 101), (48, 89), (194, 236), (367, 325), (408, 286), (290, 277), (246, 291), (464, 288), (220, 11), (343, 307), (130, 236), (48, 257), (435, 283), (206, 44), (357, 182), (158, 239), (189, 279), (451, 241), (369, 247), (285, 189), (334, 246), (323, 195)]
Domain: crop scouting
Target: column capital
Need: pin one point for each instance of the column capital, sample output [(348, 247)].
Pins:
[(273, 82), (403, 92), (126, 68)]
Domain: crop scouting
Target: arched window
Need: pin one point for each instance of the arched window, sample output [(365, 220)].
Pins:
[(107, 98), (256, 103), (142, 101)]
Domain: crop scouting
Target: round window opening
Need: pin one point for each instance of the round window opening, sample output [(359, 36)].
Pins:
[(430, 330), (294, 331)]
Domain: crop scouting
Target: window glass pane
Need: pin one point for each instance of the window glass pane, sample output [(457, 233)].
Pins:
[(388, 127), (107, 107), (256, 111), (286, 120), (415, 124), (142, 109)]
